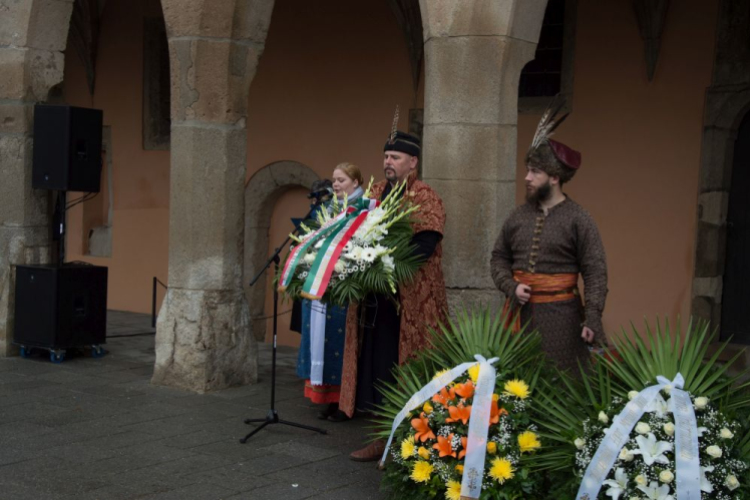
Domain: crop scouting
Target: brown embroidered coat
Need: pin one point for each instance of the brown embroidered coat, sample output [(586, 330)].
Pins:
[(423, 301)]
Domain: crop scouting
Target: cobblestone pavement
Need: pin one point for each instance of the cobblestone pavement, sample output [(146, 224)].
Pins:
[(97, 429)]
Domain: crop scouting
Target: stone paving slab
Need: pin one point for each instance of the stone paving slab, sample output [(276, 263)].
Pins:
[(96, 429)]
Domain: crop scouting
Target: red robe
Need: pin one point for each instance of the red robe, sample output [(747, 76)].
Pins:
[(423, 301)]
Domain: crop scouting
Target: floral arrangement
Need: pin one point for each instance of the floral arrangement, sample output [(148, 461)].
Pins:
[(350, 250), (433, 447), (427, 457), (587, 413), (645, 467)]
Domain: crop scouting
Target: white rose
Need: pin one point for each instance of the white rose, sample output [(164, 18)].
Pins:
[(726, 433), (714, 451), (626, 456), (700, 403), (732, 482), (667, 389), (603, 418), (642, 428), (669, 428), (641, 480), (580, 443), (666, 476), (632, 395), (339, 267)]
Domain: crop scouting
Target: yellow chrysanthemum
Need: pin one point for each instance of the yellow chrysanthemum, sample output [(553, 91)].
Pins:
[(407, 447), (492, 447), (453, 490), (528, 441), (474, 373), (421, 471), (437, 374), (427, 408), (423, 452), (517, 388), (501, 470), (460, 469)]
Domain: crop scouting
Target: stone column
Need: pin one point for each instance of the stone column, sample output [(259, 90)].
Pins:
[(33, 35), (474, 53), (203, 339)]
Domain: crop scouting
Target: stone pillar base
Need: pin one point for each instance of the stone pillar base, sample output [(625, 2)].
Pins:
[(203, 341)]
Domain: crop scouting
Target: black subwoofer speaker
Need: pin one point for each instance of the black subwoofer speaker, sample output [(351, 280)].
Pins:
[(60, 307), (67, 148)]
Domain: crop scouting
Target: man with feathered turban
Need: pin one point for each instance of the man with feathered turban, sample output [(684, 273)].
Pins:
[(543, 247)]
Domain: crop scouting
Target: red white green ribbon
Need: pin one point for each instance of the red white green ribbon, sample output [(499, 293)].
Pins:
[(320, 273), (299, 251)]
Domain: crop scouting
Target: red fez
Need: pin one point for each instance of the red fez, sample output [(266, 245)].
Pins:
[(567, 156)]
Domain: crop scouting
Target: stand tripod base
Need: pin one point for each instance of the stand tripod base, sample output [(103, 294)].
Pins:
[(272, 417)]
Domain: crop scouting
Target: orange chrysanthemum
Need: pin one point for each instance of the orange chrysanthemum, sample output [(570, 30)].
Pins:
[(465, 390), (443, 446), (462, 453), (422, 426), (444, 396), (459, 412)]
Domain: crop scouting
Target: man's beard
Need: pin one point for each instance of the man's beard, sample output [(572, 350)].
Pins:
[(542, 193)]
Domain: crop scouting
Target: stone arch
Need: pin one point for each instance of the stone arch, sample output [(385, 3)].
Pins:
[(261, 193), (724, 114), (727, 103)]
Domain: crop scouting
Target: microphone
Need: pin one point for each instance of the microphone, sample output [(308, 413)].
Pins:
[(327, 191)]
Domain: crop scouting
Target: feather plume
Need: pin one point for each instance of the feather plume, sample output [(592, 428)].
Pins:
[(549, 122), (394, 127)]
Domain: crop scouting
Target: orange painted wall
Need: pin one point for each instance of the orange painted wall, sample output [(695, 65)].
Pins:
[(641, 145), (325, 90)]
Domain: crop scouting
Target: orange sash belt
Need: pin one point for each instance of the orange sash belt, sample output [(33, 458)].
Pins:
[(545, 289)]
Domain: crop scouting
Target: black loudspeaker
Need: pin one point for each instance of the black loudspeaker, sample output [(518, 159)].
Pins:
[(67, 148), (60, 307)]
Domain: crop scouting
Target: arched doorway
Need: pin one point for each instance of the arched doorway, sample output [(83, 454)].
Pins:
[(735, 323)]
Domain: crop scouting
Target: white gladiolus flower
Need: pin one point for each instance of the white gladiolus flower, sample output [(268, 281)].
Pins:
[(603, 418), (700, 403), (618, 485), (388, 263), (651, 450), (580, 443), (732, 482), (626, 455), (726, 433), (642, 428), (666, 476), (319, 243), (655, 492), (309, 258), (669, 428), (706, 485), (632, 395), (714, 451)]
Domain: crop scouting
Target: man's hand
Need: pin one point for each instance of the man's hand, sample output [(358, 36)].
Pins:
[(523, 293), (587, 335)]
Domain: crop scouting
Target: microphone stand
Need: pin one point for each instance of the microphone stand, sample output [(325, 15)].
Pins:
[(272, 417)]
